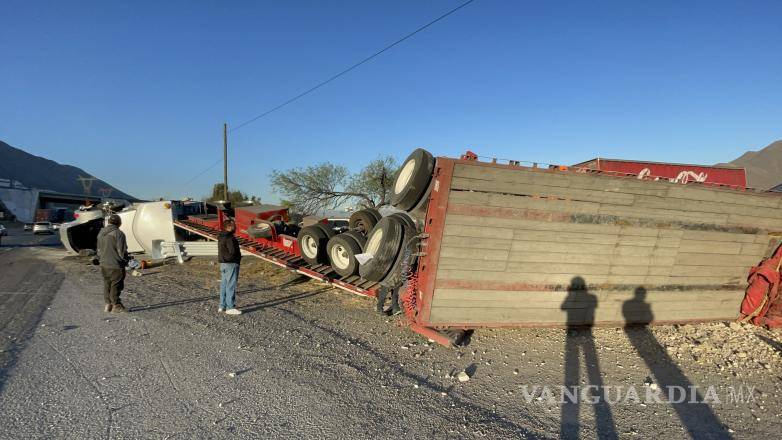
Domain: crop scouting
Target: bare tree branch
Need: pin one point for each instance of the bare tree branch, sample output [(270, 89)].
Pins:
[(312, 189)]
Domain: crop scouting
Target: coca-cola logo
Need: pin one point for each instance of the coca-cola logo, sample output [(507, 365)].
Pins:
[(685, 176)]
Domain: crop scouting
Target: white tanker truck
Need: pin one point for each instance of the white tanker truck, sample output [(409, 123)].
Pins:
[(142, 223)]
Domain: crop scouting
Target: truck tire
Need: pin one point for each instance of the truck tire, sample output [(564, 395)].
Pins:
[(374, 212), (383, 242), (312, 243), (413, 179), (342, 250), (327, 229), (363, 221), (406, 219), (361, 239), (396, 276)]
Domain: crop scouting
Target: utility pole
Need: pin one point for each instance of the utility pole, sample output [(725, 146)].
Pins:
[(225, 162)]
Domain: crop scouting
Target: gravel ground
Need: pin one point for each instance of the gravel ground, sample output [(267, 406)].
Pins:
[(309, 361)]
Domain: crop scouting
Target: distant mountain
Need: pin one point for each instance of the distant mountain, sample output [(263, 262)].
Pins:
[(38, 172), (764, 167)]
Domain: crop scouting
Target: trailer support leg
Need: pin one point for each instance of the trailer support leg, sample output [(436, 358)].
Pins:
[(432, 334)]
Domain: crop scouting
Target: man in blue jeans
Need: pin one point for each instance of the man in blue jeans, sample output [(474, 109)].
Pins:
[(230, 256)]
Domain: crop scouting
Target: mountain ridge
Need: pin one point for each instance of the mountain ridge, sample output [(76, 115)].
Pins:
[(42, 173), (763, 167)]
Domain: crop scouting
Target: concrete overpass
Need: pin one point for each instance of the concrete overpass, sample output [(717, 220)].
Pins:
[(52, 199), (20, 202)]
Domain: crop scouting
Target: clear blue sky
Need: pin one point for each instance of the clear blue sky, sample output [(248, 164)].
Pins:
[(136, 92)]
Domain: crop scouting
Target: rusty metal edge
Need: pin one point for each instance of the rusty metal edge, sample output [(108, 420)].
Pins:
[(434, 225), (432, 334)]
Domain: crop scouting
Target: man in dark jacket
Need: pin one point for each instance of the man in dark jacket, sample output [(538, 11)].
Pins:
[(113, 256), (229, 255)]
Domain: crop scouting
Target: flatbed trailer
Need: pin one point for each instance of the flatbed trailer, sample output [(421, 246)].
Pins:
[(282, 251)]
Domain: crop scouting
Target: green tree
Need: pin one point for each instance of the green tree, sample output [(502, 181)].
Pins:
[(312, 189), (233, 196)]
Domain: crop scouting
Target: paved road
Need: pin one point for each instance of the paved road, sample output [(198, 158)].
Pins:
[(17, 237)]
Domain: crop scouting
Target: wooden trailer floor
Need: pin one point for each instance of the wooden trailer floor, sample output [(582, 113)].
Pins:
[(516, 246)]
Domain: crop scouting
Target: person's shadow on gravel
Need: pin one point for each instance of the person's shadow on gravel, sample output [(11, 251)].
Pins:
[(580, 307), (696, 416), (277, 301)]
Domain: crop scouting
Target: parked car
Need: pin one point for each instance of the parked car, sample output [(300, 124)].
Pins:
[(3, 231), (43, 228), (56, 226), (28, 226)]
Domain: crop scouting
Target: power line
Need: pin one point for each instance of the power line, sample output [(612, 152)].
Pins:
[(203, 172), (323, 83), (332, 78)]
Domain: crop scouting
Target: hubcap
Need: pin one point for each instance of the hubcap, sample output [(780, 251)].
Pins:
[(404, 176), (374, 242), (340, 257), (309, 246)]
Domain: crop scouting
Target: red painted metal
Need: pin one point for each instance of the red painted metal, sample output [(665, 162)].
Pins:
[(434, 225), (431, 333), (250, 215), (678, 173), (284, 252), (469, 155), (210, 221), (763, 291)]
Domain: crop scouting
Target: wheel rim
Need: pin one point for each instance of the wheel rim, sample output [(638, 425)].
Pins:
[(373, 244), (340, 257), (362, 226), (309, 246), (404, 176)]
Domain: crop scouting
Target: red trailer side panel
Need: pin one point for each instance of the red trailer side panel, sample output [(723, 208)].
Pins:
[(678, 173), (247, 215)]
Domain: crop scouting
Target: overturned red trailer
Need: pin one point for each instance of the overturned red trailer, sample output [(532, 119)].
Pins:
[(489, 244)]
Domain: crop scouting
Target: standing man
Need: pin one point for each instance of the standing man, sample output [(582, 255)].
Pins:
[(113, 256), (229, 255)]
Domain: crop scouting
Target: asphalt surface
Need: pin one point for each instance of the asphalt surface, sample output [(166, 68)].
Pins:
[(307, 361)]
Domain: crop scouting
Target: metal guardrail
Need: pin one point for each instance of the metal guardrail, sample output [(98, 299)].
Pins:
[(12, 184)]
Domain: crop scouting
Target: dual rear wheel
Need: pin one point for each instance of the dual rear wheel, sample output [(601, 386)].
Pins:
[(312, 242), (342, 250), (383, 237)]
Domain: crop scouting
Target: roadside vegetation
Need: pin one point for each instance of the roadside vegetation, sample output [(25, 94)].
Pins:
[(313, 189)]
